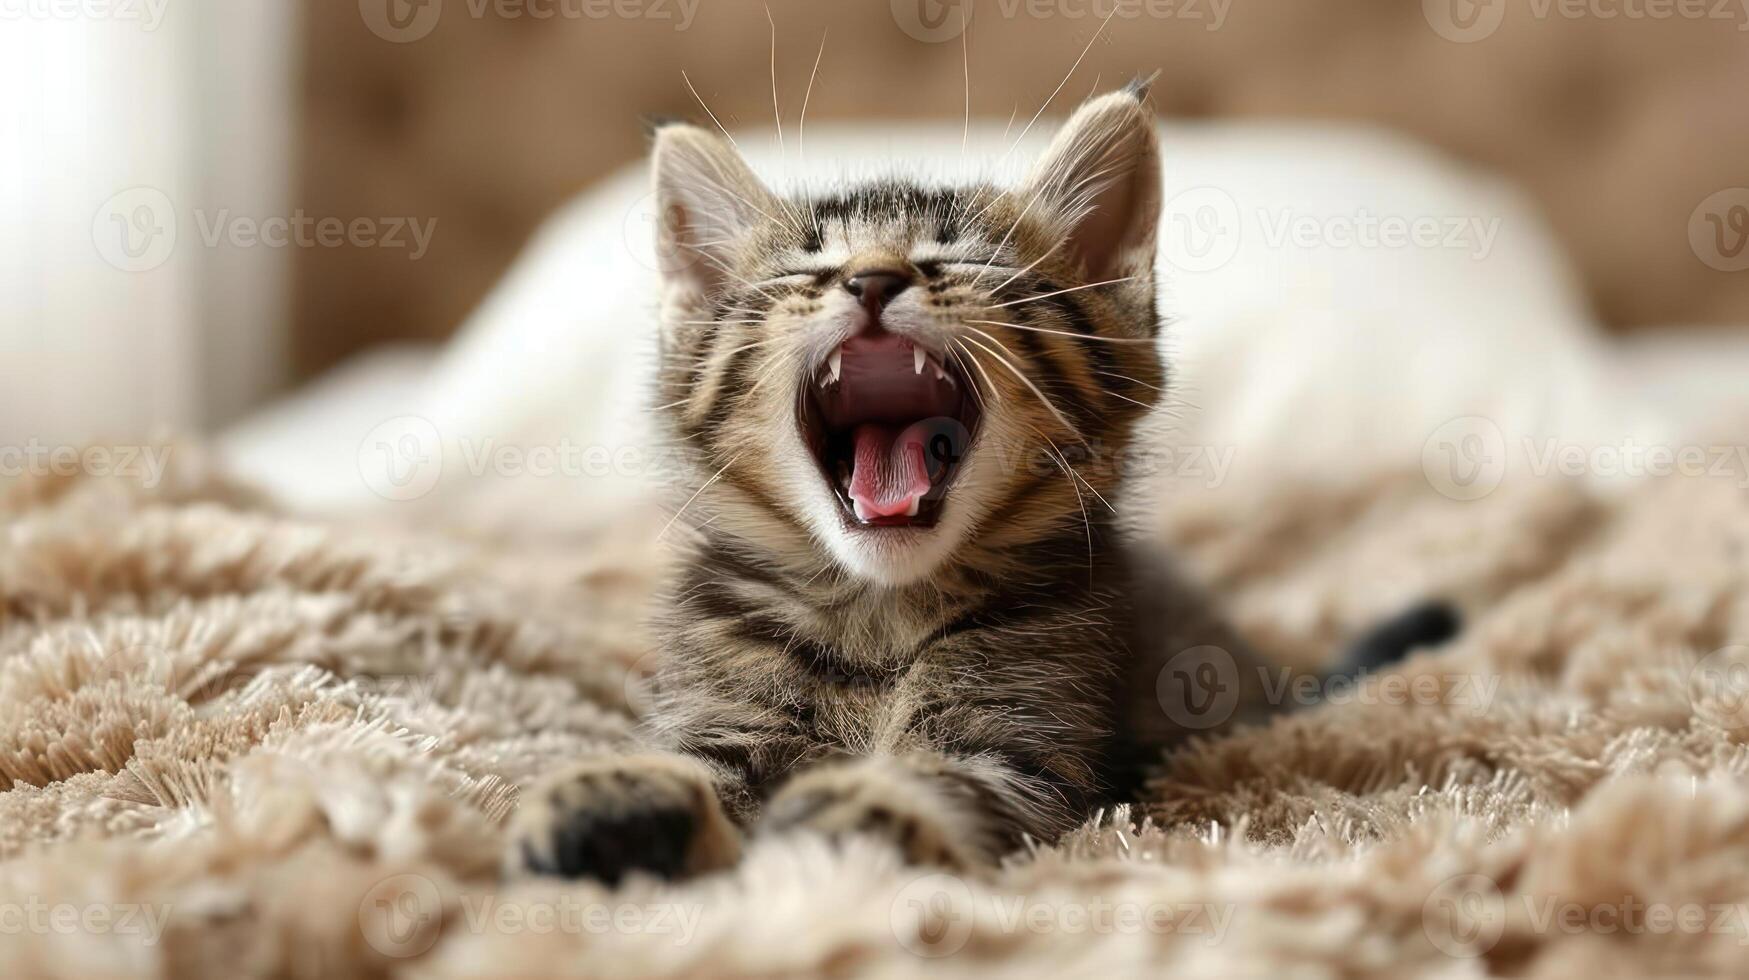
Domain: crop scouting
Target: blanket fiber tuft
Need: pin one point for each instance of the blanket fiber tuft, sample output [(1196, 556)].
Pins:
[(235, 743)]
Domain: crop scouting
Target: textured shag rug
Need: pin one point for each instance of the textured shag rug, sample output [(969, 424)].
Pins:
[(235, 744)]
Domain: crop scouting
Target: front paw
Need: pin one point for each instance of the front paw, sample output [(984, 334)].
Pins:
[(882, 800), (608, 817)]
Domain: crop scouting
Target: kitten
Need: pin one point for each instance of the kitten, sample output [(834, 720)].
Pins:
[(907, 615)]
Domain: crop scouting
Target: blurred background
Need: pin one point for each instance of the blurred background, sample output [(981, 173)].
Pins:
[(207, 203)]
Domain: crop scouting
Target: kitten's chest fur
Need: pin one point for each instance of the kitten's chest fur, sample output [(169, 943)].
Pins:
[(821, 670)]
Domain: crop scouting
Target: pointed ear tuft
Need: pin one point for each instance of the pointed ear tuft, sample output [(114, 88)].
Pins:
[(1101, 181), (707, 200)]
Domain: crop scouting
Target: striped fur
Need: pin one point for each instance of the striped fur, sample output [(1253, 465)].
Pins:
[(955, 689)]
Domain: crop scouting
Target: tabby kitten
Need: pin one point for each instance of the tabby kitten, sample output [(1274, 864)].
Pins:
[(906, 615)]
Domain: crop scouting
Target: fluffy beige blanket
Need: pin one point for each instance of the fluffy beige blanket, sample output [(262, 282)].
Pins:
[(234, 744)]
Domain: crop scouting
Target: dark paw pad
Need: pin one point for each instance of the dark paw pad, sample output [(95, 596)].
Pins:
[(608, 845), (606, 819)]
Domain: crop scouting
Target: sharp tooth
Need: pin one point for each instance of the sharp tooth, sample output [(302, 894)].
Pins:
[(835, 362), (916, 504), (918, 356)]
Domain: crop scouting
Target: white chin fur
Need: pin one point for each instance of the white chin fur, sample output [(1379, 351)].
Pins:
[(891, 556)]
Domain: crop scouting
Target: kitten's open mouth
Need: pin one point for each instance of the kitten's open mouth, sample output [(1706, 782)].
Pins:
[(889, 423)]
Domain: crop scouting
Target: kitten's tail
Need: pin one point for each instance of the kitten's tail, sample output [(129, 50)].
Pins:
[(1424, 624)]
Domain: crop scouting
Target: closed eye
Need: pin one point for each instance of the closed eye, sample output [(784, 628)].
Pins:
[(795, 277), (977, 265)]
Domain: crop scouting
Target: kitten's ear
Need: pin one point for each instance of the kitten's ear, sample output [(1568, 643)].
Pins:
[(1101, 180), (707, 199)]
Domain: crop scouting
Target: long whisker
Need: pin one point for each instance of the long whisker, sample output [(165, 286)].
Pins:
[(772, 370), (752, 346), (725, 270), (775, 111), (1132, 401), (1071, 289), (1090, 487), (1062, 462), (707, 109), (1030, 266), (802, 125), (1125, 377), (966, 65), (980, 368), (1028, 382), (695, 494), (1058, 90), (1071, 335)]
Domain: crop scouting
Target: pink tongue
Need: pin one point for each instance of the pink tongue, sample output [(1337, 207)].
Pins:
[(889, 472)]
